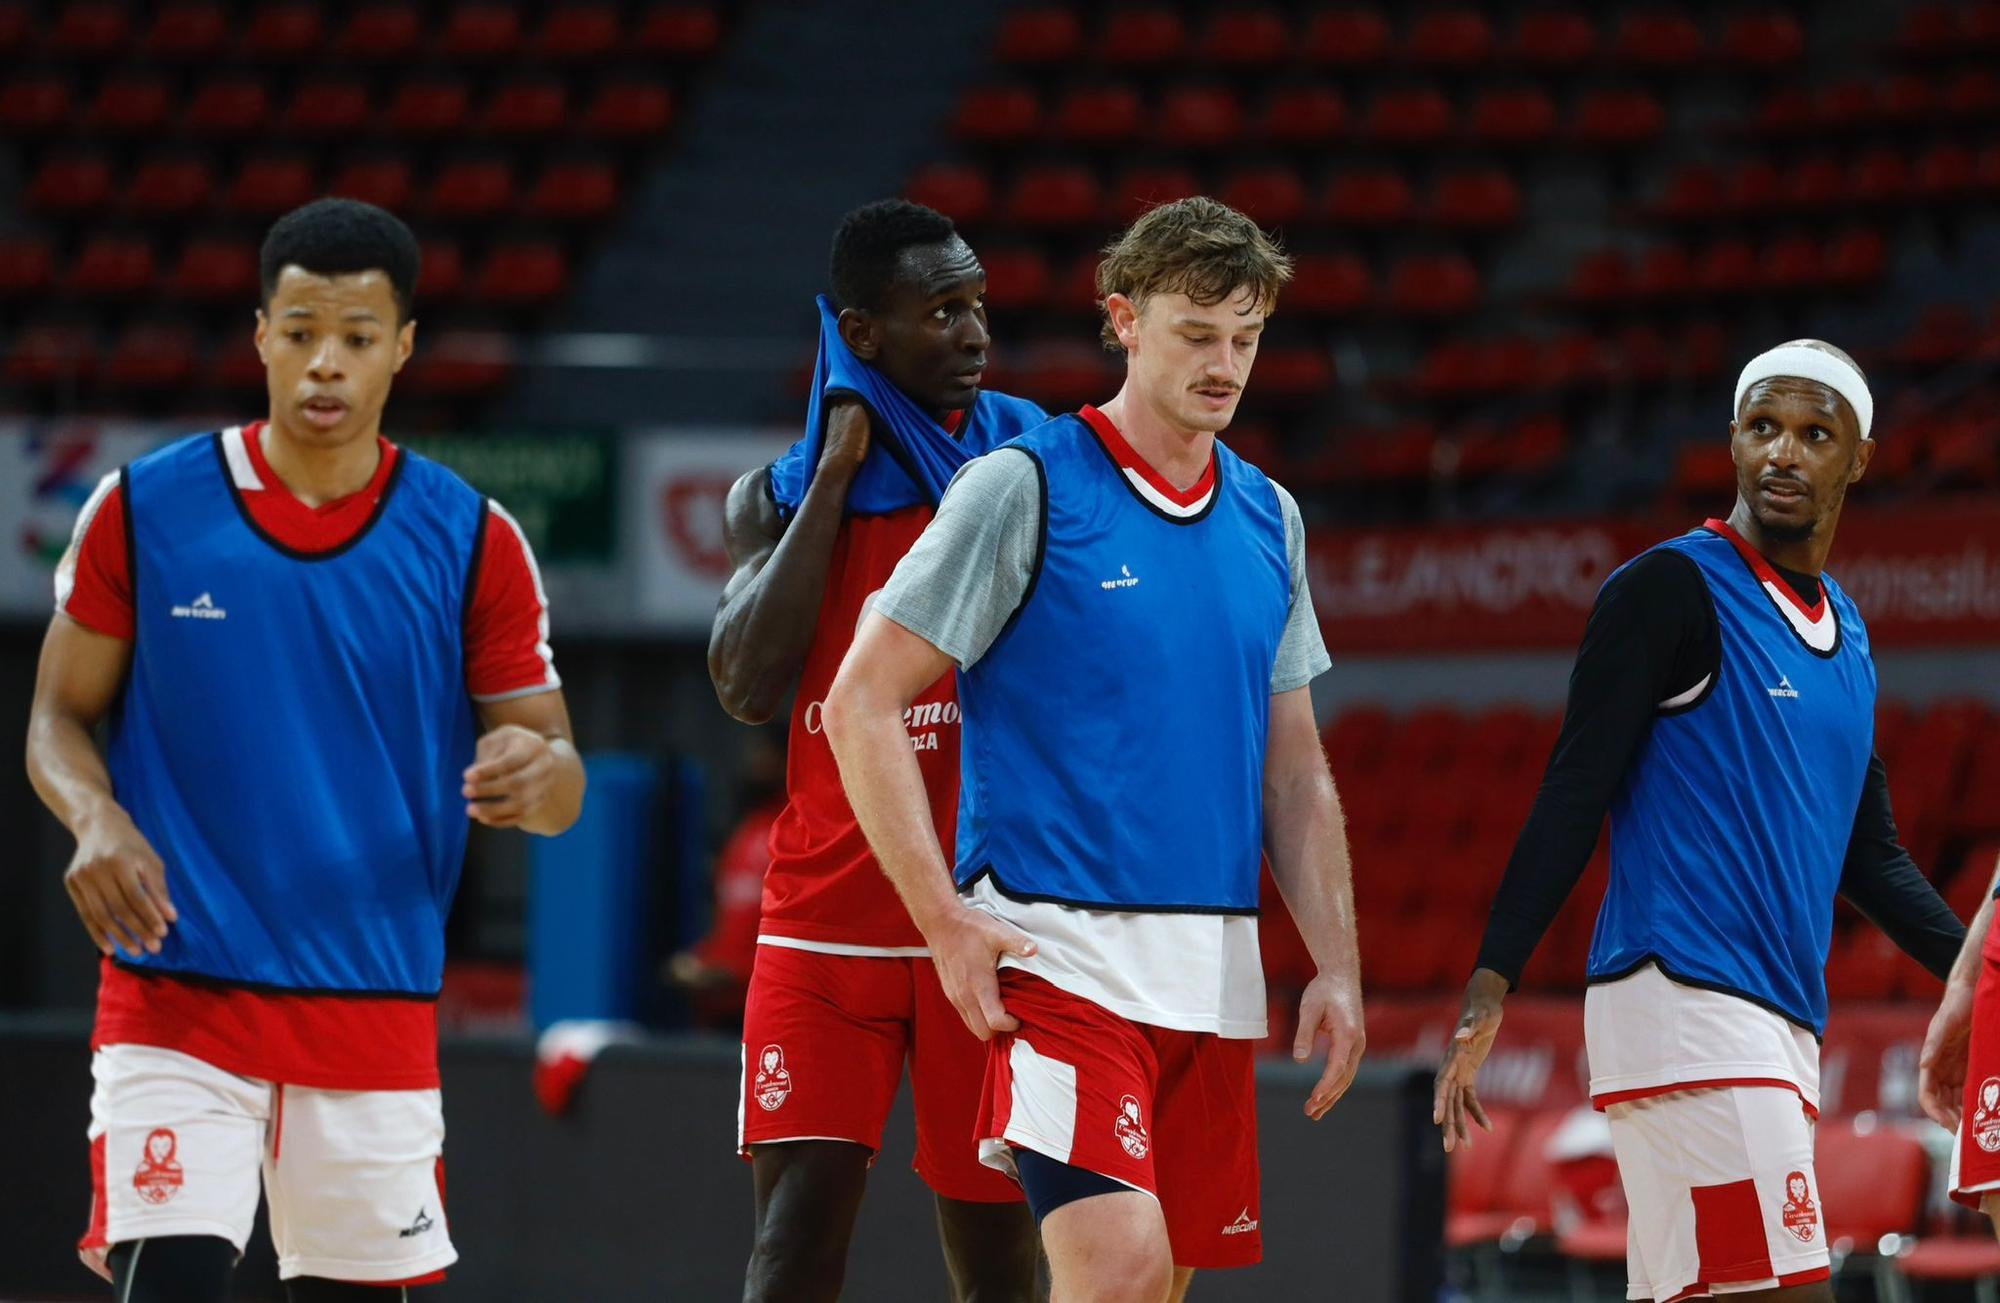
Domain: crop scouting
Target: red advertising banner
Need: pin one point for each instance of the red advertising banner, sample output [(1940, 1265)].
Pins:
[(1921, 579)]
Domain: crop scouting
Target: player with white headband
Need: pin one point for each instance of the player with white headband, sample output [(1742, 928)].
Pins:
[(1722, 712)]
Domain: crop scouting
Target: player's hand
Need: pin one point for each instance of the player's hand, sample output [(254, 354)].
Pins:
[(1941, 1065), (512, 770), (1330, 1007), (119, 886), (965, 950), (1456, 1102), (847, 435)]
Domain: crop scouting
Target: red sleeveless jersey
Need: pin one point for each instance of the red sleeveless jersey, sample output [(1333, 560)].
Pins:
[(824, 888)]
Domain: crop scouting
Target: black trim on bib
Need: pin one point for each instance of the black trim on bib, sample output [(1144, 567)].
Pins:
[(269, 988), (988, 871), (243, 508), (1700, 985)]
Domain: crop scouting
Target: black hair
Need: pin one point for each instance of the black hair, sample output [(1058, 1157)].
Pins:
[(871, 239), (339, 237)]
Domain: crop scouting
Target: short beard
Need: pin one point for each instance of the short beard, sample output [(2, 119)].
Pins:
[(1786, 533)]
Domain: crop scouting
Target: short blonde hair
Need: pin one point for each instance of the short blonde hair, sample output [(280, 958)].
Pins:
[(1197, 247)]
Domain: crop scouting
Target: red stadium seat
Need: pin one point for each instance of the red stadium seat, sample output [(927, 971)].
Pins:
[(1788, 110), (1246, 38), (1075, 289), (68, 184), (1449, 38), (1486, 199), (1303, 115), (1694, 193), (1200, 117), (1523, 115), (629, 110), (1054, 195), (522, 273), (29, 105), (1793, 262), (1882, 176), (1908, 100), (1004, 114), (1552, 38), (462, 362), (88, 29), (1297, 371), (235, 107), (574, 192), (1967, 1258), (1872, 1183), (283, 31), (1929, 29), (1418, 115), (1475, 1176), (1518, 1204), (1727, 268), (1103, 113), (1270, 196), (964, 194), (442, 272), (578, 32), (1144, 188), (529, 108), (1974, 94), (47, 352), (1381, 197), (327, 108), (1328, 284), (1657, 39), (1845, 103), (1857, 258), (1620, 118), (271, 187), (1600, 277), (130, 104), (17, 28), (151, 357), (27, 267), (1350, 38), (168, 187), (384, 182), (380, 31), (479, 31), (471, 189), (1665, 271), (1051, 35), (1429, 285), (1140, 36), (214, 271), (1945, 171), (427, 108), (1065, 373), (110, 265), (188, 29), (1753, 186), (679, 31), (1015, 277)]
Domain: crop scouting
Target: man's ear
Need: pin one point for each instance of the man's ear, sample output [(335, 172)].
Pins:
[(263, 328), (1864, 452), (406, 343), (860, 333), (1124, 316)]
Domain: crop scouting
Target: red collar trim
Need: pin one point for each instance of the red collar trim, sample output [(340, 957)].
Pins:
[(1122, 453), (253, 444), (1764, 571), (952, 420)]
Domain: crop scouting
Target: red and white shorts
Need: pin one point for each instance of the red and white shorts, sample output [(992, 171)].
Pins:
[(1171, 1113), (1722, 1192), (355, 1178), (1975, 1161), (824, 1040)]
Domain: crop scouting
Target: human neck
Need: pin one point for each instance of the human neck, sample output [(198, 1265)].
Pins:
[(1806, 555), (316, 475), (1180, 456)]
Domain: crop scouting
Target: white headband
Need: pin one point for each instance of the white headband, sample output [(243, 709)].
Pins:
[(1811, 364)]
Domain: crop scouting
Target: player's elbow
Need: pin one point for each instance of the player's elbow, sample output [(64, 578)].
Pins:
[(748, 692), (849, 702)]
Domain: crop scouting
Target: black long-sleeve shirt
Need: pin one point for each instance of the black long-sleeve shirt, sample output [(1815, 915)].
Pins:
[(1653, 637)]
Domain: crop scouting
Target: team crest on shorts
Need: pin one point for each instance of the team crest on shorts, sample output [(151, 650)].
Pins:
[(1985, 1124), (1801, 1216), (1131, 1129), (159, 1176), (772, 1083)]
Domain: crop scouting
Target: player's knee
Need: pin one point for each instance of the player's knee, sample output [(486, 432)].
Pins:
[(1139, 1275), (795, 1257)]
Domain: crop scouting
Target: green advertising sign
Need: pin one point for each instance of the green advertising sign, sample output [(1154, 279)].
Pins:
[(560, 486)]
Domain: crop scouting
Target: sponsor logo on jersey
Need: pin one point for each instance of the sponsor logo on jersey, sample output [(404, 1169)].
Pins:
[(1801, 1215), (1131, 1128), (1784, 688), (159, 1176), (1243, 1225), (1126, 579), (773, 1084), (1986, 1118), (921, 721), (201, 608), (418, 1227)]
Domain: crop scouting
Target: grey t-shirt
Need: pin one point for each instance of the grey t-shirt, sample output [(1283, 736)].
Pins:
[(957, 588)]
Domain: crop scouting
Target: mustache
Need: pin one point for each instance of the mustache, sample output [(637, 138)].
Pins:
[(1780, 477)]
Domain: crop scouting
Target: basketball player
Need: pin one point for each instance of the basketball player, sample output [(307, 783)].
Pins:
[(1722, 711), (317, 655), (1126, 602), (1958, 1076), (842, 990)]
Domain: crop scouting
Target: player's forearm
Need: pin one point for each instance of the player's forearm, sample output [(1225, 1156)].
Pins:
[(68, 771), (1306, 837), (562, 803), (885, 787), (765, 629)]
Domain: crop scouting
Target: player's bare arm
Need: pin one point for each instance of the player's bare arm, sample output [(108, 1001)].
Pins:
[(770, 606), (115, 880), (1305, 835), (526, 772), (1941, 1064), (885, 670)]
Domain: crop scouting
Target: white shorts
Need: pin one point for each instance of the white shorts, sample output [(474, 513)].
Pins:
[(1722, 1191), (355, 1178)]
